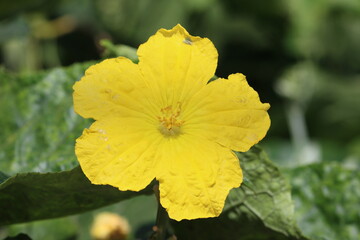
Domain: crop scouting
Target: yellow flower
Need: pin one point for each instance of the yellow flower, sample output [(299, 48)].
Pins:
[(161, 119)]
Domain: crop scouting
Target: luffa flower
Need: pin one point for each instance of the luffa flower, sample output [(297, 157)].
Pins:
[(161, 119)]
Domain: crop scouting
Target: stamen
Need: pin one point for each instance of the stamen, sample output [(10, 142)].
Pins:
[(169, 121)]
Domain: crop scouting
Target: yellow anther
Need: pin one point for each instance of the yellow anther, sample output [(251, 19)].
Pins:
[(169, 121)]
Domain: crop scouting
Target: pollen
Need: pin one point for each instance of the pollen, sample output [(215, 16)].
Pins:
[(170, 122)]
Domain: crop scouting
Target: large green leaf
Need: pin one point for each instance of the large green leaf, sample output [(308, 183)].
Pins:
[(326, 197), (260, 209), (33, 196), (39, 125)]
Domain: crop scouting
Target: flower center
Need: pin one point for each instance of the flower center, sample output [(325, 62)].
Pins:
[(169, 121)]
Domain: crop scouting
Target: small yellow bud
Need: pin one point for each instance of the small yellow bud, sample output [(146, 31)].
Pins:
[(110, 226)]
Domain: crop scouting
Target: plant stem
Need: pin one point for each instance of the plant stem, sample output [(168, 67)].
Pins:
[(162, 218)]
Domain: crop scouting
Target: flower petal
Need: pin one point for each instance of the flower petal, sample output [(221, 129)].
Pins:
[(119, 152), (228, 112), (177, 64), (196, 178), (113, 86)]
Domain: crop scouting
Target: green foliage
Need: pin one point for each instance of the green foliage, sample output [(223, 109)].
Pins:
[(39, 124), (138, 19), (112, 50), (320, 25), (34, 196), (326, 193), (53, 229), (139, 211), (262, 210), (3, 177), (20, 236), (327, 197), (9, 8)]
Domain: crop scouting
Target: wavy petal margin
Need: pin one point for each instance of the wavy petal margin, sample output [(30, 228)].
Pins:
[(199, 175), (229, 112), (176, 64), (115, 151)]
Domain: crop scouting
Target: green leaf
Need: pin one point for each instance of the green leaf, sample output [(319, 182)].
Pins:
[(3, 177), (34, 196), (39, 126), (140, 212), (262, 209), (326, 197)]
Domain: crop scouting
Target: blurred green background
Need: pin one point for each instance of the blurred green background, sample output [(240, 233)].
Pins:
[(303, 57)]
